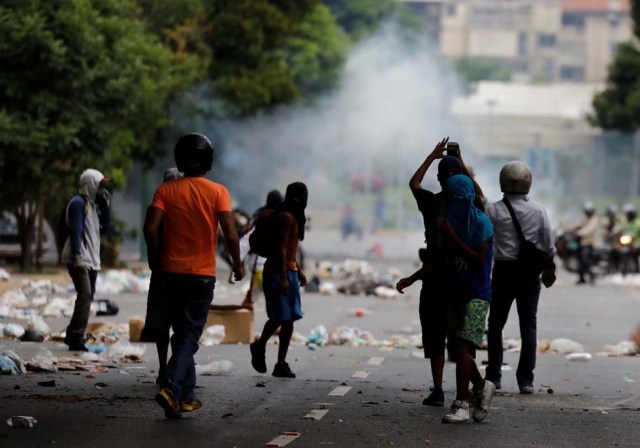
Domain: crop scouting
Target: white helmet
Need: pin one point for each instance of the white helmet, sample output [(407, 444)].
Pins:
[(515, 177)]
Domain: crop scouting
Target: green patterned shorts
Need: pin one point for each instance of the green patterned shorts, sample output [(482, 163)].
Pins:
[(473, 325)]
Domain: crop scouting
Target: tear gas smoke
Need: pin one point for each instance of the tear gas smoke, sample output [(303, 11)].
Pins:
[(392, 105)]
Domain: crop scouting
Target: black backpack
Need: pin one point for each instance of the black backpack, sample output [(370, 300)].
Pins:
[(262, 241), (63, 226)]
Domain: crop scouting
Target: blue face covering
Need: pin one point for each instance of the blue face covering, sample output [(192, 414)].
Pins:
[(472, 226)]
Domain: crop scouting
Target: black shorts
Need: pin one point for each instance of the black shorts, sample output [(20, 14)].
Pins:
[(433, 318)]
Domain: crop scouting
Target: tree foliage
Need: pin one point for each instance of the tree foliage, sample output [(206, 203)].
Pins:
[(473, 69), (618, 106), (82, 84)]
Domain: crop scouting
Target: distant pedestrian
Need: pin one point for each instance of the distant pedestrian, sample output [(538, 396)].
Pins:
[(282, 279), (189, 211), (509, 282), (467, 234), (87, 216), (157, 322)]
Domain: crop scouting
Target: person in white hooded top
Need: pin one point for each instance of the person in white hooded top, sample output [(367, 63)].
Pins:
[(87, 215)]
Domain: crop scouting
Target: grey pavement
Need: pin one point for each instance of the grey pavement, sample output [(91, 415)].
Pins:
[(576, 404)]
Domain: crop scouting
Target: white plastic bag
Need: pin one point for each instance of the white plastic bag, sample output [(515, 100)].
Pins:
[(215, 368), (124, 349), (212, 335), (43, 361)]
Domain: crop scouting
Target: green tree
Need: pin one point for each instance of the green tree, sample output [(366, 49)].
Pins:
[(316, 52), (473, 69), (618, 106), (82, 84), (248, 38), (360, 18)]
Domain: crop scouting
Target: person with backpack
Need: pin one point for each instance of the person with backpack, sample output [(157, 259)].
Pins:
[(273, 201), (87, 215), (276, 237), (189, 211)]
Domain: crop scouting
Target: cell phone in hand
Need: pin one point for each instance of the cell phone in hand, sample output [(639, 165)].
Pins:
[(453, 149)]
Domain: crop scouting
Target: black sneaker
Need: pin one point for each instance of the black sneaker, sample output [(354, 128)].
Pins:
[(78, 347), (283, 371), (258, 357), (435, 398)]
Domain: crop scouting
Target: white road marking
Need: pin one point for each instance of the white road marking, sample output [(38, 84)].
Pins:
[(360, 374), (375, 361), (316, 414), (340, 391), (283, 439)]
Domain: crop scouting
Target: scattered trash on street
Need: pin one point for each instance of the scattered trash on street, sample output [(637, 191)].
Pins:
[(215, 368), (579, 357)]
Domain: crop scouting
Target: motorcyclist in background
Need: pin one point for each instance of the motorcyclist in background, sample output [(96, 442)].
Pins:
[(611, 233), (587, 233), (630, 226)]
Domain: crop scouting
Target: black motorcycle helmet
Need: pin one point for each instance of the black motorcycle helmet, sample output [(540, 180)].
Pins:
[(193, 154)]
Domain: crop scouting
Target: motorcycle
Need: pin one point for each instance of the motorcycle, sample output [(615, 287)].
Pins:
[(568, 250), (626, 251)]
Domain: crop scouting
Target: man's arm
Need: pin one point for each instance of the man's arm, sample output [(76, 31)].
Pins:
[(418, 275), (152, 221), (476, 255), (437, 153), (76, 227), (231, 242), (102, 201), (467, 172)]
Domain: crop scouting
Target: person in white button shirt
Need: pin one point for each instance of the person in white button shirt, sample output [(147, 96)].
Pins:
[(508, 282)]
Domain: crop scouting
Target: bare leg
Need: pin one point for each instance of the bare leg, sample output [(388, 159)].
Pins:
[(269, 330), (466, 371), (437, 367), (286, 331)]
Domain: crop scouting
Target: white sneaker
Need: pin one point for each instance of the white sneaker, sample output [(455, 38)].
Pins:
[(459, 413), (482, 405)]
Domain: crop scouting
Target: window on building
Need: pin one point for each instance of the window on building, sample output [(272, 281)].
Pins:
[(573, 20), (546, 40), (523, 44), (572, 73)]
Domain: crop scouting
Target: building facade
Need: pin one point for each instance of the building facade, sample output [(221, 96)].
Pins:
[(540, 40)]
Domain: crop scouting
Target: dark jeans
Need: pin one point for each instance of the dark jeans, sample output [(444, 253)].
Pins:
[(585, 262), (190, 297), (84, 280), (509, 284)]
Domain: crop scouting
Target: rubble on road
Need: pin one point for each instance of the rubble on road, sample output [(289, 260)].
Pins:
[(355, 277), (622, 348)]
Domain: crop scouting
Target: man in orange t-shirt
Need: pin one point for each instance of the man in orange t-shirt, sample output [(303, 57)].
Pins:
[(189, 210)]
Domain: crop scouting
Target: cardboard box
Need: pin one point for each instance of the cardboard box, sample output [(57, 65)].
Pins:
[(135, 329), (238, 325)]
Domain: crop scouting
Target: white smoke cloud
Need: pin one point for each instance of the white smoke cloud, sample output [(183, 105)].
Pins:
[(391, 106)]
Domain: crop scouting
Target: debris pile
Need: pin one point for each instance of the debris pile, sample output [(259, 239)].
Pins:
[(354, 277)]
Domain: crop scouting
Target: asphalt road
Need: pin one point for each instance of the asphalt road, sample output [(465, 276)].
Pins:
[(592, 404)]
